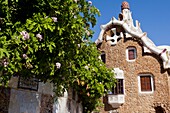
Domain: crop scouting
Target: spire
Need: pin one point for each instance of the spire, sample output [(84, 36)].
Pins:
[(125, 5)]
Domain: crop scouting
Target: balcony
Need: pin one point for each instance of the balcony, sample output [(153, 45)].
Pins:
[(116, 100)]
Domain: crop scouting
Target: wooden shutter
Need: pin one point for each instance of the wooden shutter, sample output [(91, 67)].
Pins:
[(145, 83)]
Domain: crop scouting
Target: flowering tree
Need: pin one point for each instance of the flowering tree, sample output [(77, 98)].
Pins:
[(49, 40)]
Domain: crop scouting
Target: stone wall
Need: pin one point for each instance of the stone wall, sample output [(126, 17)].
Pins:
[(135, 102), (4, 99), (46, 103), (24, 100)]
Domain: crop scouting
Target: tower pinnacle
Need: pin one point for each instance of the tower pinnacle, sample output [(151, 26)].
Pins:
[(125, 5)]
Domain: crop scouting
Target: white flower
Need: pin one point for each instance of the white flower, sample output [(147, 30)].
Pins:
[(54, 19), (85, 40), (78, 45), (39, 36), (75, 16), (75, 1), (87, 32), (24, 56), (90, 2), (25, 35), (99, 57), (58, 65), (86, 67)]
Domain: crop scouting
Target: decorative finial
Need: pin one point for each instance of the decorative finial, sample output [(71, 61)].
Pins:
[(125, 5)]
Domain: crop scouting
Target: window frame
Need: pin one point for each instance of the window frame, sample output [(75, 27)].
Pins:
[(151, 83), (119, 75), (103, 59), (127, 53), (119, 88)]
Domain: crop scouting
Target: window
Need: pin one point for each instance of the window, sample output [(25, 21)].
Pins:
[(131, 53), (145, 83), (118, 89), (119, 85), (103, 57)]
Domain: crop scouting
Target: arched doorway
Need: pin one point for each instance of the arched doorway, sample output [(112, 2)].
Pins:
[(159, 109)]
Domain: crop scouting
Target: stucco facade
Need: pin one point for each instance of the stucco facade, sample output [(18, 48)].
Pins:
[(145, 62)]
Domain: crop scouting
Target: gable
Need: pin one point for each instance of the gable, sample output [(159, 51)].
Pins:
[(123, 28)]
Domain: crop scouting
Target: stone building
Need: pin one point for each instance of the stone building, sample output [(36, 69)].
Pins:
[(32, 96), (141, 68)]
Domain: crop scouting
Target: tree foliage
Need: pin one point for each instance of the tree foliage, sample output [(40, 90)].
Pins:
[(50, 40)]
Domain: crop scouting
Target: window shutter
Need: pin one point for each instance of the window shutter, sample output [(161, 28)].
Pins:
[(142, 81), (148, 83), (131, 54), (145, 83)]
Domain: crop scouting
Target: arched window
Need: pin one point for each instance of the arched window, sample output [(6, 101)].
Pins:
[(159, 109)]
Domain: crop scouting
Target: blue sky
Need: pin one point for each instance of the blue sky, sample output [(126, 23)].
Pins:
[(153, 15)]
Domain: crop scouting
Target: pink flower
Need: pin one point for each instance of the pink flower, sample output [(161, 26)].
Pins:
[(88, 94), (58, 65), (24, 56), (54, 19), (90, 2), (5, 62), (25, 35), (39, 36)]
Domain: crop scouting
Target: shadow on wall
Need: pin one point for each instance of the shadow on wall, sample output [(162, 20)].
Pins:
[(107, 107)]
